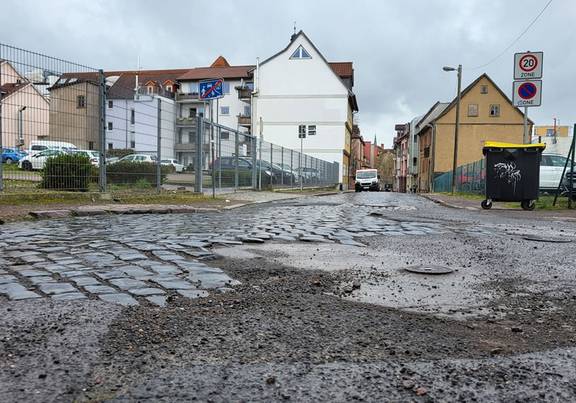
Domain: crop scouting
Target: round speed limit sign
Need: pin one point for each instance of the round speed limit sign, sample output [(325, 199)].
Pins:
[(528, 63), (528, 66)]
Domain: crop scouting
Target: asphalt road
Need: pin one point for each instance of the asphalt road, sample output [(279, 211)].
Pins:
[(304, 300)]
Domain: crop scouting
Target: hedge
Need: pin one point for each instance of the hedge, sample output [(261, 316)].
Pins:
[(67, 172), (126, 172)]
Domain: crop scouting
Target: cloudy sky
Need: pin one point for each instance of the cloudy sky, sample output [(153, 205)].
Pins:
[(398, 47)]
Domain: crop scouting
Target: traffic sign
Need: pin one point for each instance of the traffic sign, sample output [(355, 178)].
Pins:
[(302, 131), (528, 65), (527, 93), (210, 89)]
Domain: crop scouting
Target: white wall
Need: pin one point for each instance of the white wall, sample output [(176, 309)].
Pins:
[(302, 91), (144, 131)]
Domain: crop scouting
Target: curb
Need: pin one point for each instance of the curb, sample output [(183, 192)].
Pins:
[(118, 210), (441, 202)]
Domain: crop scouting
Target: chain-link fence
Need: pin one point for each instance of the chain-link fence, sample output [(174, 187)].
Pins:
[(470, 178), (65, 126)]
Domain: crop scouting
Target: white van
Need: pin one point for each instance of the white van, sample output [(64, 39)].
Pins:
[(367, 179), (41, 145)]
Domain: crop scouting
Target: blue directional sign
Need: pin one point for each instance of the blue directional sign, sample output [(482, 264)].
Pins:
[(211, 89)]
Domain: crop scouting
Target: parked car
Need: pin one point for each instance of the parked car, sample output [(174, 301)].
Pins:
[(367, 179), (38, 160), (93, 155), (177, 166), (278, 173), (41, 145), (309, 175), (226, 166), (12, 155), (551, 167), (137, 158)]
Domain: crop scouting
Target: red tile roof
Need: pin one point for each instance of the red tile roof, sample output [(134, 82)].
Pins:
[(342, 69), (11, 88)]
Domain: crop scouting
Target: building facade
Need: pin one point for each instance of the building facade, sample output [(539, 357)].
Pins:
[(25, 111), (298, 86), (486, 114)]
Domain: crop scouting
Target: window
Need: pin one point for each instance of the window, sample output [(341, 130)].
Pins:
[(483, 89), (224, 110), (300, 53), (553, 161), (415, 139), (494, 110), (110, 126), (427, 152), (90, 145), (549, 132), (192, 112), (110, 146), (132, 144), (226, 87), (132, 116), (311, 130), (415, 161), (80, 101), (169, 88), (247, 110), (110, 104), (224, 135), (150, 89), (472, 110)]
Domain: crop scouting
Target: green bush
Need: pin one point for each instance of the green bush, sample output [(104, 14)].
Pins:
[(67, 172), (126, 172)]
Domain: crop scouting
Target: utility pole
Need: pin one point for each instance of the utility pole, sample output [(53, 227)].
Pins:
[(455, 161)]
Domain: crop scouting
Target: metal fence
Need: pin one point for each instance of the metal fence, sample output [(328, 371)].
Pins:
[(470, 178), (65, 126)]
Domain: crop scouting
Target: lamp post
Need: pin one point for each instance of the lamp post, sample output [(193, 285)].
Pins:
[(455, 161)]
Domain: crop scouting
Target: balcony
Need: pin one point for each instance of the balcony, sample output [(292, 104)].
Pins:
[(190, 147), (244, 120), (187, 97), (186, 121), (244, 93)]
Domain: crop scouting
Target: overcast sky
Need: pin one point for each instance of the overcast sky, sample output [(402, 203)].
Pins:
[(398, 47)]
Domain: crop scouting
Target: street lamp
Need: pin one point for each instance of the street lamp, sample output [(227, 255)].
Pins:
[(454, 162)]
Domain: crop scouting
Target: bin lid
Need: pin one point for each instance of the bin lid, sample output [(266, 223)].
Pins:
[(498, 144)]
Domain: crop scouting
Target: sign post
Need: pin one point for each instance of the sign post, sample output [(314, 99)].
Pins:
[(527, 87), (209, 90), (301, 136)]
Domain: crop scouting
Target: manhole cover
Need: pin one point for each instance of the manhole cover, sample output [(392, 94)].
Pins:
[(546, 239), (430, 269)]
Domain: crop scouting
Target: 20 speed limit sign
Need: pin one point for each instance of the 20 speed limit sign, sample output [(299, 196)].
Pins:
[(528, 66)]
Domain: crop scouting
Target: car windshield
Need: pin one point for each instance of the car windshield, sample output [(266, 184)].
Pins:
[(166, 161), (365, 175)]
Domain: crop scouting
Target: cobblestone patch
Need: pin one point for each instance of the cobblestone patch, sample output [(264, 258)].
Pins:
[(126, 259)]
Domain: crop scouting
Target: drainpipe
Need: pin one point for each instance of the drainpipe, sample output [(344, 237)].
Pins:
[(433, 156), (20, 126)]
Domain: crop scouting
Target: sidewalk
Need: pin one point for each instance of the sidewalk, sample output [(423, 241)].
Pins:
[(146, 204), (473, 204)]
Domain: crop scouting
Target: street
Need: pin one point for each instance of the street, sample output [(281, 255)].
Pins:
[(304, 299)]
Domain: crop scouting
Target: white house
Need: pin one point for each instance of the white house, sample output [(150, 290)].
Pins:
[(298, 86), (232, 110), (132, 111)]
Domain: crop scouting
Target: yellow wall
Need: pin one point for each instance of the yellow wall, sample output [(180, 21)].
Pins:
[(474, 131), (561, 131)]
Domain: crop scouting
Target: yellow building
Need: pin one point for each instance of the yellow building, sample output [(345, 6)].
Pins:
[(548, 131), (486, 114)]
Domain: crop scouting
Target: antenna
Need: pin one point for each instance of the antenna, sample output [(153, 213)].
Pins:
[(294, 27)]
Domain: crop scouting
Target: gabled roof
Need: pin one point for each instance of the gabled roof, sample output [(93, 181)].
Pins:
[(11, 88), (342, 70), (469, 88), (201, 73), (432, 114)]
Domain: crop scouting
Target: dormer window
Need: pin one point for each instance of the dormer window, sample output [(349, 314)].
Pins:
[(300, 53), (169, 88), (150, 89)]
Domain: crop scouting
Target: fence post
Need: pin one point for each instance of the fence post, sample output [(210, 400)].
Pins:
[(102, 129), (271, 167), (199, 156), (219, 158), (236, 151), (159, 147), (292, 177), (254, 162), (282, 164), (260, 167)]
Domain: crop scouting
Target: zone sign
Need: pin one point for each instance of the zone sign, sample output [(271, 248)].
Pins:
[(528, 66)]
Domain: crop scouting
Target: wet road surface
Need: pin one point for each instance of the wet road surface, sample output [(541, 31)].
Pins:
[(304, 299)]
